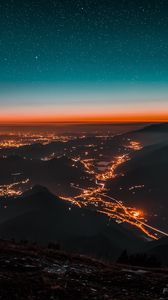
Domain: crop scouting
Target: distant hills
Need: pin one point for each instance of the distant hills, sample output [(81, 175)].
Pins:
[(160, 127), (151, 134)]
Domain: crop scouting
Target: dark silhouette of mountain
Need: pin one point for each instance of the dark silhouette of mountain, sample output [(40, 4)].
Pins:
[(161, 127), (42, 217)]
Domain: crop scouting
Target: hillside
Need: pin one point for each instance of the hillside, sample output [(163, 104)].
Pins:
[(41, 273), (42, 217)]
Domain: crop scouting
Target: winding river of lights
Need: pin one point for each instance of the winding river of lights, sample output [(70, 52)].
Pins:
[(95, 198)]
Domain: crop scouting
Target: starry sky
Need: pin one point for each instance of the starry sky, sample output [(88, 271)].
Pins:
[(83, 60)]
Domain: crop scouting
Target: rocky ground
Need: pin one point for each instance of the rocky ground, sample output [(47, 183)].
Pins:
[(29, 272)]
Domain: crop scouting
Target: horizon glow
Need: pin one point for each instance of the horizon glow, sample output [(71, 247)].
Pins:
[(84, 103)]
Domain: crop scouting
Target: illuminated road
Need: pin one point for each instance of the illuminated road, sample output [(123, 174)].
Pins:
[(139, 221)]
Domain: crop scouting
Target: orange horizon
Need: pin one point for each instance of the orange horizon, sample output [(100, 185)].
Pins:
[(137, 118), (82, 113)]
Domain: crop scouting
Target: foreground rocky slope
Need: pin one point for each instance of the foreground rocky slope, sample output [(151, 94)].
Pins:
[(30, 272)]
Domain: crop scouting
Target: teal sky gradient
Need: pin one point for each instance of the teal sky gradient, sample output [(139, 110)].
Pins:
[(83, 55)]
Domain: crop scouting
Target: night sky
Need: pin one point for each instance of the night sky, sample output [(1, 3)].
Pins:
[(69, 58)]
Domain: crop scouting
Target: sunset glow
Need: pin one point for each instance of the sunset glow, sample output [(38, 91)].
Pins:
[(77, 119), (43, 115)]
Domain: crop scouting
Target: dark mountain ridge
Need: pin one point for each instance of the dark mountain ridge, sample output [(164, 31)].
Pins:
[(42, 217)]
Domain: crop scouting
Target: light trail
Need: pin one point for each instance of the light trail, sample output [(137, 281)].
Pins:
[(140, 222), (155, 229)]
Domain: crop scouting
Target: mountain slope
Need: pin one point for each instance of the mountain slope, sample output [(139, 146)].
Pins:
[(40, 216), (40, 273)]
